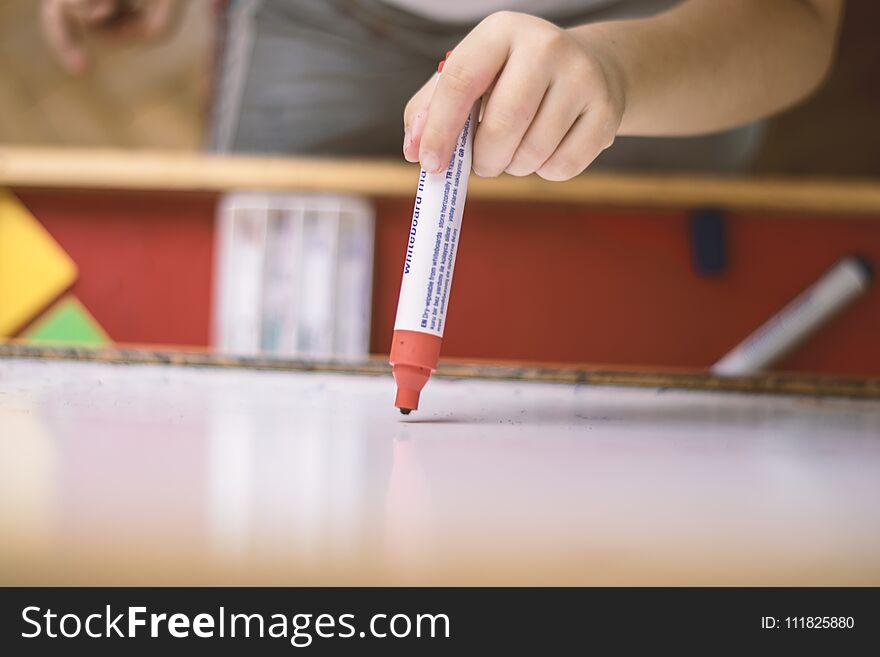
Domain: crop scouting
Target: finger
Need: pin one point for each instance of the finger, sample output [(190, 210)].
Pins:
[(414, 116), (89, 12), (509, 111), (413, 130), (98, 11), (467, 73), (555, 117), (63, 38), (589, 136), (148, 22), (158, 17)]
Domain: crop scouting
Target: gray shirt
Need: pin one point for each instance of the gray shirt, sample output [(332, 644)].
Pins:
[(332, 77)]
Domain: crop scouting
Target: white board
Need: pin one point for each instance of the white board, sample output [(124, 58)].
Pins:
[(174, 474)]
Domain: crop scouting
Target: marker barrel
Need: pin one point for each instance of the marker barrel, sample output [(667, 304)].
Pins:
[(796, 321), (429, 263)]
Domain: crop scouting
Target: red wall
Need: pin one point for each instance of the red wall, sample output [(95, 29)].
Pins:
[(533, 281), (145, 260), (571, 284)]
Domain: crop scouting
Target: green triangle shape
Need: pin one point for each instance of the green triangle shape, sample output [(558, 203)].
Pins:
[(67, 322)]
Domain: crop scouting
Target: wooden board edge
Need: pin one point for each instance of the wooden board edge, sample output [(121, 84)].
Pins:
[(773, 383)]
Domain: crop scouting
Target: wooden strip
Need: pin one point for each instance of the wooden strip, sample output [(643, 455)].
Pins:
[(108, 169), (784, 384)]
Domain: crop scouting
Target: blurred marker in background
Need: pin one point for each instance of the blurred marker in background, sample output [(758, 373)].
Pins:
[(847, 280)]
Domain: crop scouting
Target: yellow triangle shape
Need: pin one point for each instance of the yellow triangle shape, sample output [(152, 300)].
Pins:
[(34, 269)]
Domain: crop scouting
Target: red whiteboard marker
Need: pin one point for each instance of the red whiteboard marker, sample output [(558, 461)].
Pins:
[(427, 271)]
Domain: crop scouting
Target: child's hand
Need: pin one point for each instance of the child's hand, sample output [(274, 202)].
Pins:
[(554, 103), (65, 23)]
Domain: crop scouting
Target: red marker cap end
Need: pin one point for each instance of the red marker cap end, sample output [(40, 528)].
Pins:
[(407, 399), (413, 357)]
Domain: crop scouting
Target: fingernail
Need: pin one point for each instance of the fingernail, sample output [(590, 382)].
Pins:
[(406, 140), (430, 162)]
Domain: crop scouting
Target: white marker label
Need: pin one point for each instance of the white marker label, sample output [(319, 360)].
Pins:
[(433, 242)]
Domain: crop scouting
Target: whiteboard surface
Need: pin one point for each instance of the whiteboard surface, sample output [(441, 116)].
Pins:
[(176, 474)]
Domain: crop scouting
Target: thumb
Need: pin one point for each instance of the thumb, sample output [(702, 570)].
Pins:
[(414, 117)]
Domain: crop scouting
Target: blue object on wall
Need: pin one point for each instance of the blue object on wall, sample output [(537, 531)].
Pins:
[(708, 241)]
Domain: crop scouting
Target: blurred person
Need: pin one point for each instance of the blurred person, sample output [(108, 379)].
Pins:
[(66, 23), (674, 84)]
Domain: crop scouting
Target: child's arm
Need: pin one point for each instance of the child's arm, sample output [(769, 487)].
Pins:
[(559, 97)]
